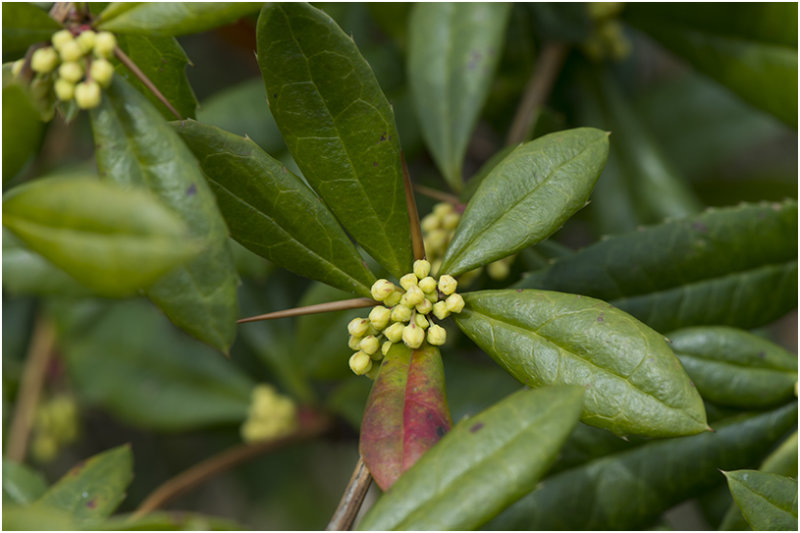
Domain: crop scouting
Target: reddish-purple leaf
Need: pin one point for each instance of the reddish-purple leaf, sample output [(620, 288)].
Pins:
[(406, 412)]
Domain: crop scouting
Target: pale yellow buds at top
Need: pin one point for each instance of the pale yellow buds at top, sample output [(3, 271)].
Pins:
[(447, 284), (70, 51), (71, 71), (386, 346), (413, 297), (401, 313), (455, 303), (442, 209), (421, 321), (408, 281), (44, 60), (60, 38), (381, 289), (64, 89), (394, 332), (427, 284), (16, 68), (413, 336), (86, 40), (393, 299), (429, 223), (436, 240), (354, 343), (379, 317), (424, 307), (422, 268), (450, 221), (360, 363), (104, 44), (498, 270), (358, 327), (87, 95), (102, 71), (437, 335), (440, 310), (369, 344)]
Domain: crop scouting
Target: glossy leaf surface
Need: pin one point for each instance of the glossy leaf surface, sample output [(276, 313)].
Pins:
[(111, 240), (21, 484), (273, 212), (484, 464), (406, 412), (768, 501), (527, 197), (338, 126), (171, 18), (734, 367), (24, 24), (136, 147), (453, 52), (634, 384), (22, 117), (630, 489), (733, 266)]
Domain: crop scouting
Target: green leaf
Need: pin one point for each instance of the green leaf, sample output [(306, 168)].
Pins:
[(158, 378), (406, 412), (734, 367), (338, 126), (527, 197), (24, 24), (768, 501), (453, 54), (634, 384), (136, 147), (166, 19), (485, 463), (112, 240), (94, 488), (22, 121), (273, 212), (733, 266), (37, 518), (169, 521), (783, 460), (164, 62), (630, 489), (751, 49), (21, 484)]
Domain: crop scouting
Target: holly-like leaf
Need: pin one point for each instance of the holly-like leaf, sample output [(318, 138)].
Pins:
[(453, 53), (338, 126), (483, 465), (733, 266), (21, 484), (112, 240), (734, 367), (94, 488), (136, 147), (634, 383), (768, 501), (24, 24), (406, 412), (630, 489), (167, 19), (527, 197), (273, 212)]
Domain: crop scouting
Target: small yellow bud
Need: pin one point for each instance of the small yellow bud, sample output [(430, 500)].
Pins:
[(86, 40), (394, 332), (64, 90), (498, 270), (16, 68), (425, 307), (421, 268), (447, 284), (360, 363), (412, 297), (440, 310), (369, 344), (437, 335), (401, 313), (413, 336), (87, 95), (354, 343), (450, 221), (379, 317), (441, 209), (432, 297), (71, 71), (427, 284), (60, 38), (102, 71), (381, 289), (436, 241), (421, 321), (455, 303), (394, 298), (429, 223), (70, 51), (104, 44), (358, 327), (408, 281), (386, 346), (44, 60)]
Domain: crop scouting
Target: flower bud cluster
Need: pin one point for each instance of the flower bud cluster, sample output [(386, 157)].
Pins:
[(78, 65), (55, 425), (606, 39), (407, 315), (271, 415)]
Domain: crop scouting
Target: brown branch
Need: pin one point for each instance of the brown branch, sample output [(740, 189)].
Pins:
[(41, 347), (438, 195), (538, 89), (353, 497), (313, 425), (128, 62), (413, 215), (61, 10), (355, 303)]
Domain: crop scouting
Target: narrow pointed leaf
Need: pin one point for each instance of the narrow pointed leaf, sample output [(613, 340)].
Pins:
[(527, 197), (633, 381), (734, 367), (338, 126), (631, 489), (24, 24), (111, 240), (734, 266), (94, 488), (486, 463), (406, 412), (171, 18), (768, 501), (21, 484), (136, 147), (273, 212), (453, 53)]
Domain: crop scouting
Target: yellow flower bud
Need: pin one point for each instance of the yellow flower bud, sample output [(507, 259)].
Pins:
[(358, 327), (70, 51), (16, 68), (429, 223), (60, 38), (369, 344), (443, 208), (425, 307), (427, 284), (87, 95), (437, 335), (354, 343), (421, 268), (401, 313), (436, 241), (86, 40), (394, 332), (381, 289), (432, 297), (44, 60), (447, 284), (450, 221), (360, 363), (379, 317), (64, 90), (71, 71), (387, 345), (412, 297), (440, 310), (394, 298), (104, 44), (498, 270), (408, 281), (455, 303), (102, 71), (413, 336), (421, 321)]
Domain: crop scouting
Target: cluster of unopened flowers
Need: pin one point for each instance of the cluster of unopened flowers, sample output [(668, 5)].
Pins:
[(271, 415), (73, 58), (407, 315)]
